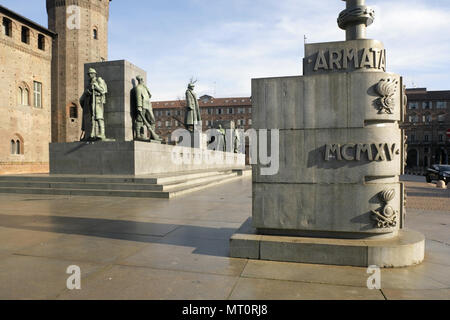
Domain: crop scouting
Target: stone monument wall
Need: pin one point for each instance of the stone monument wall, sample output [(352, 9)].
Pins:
[(120, 77), (340, 145)]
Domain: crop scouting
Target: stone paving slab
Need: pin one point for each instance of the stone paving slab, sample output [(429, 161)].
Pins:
[(84, 248), (262, 289), (395, 294), (183, 258), (123, 282), (24, 277)]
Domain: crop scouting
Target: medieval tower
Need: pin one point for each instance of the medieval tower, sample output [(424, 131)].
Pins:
[(82, 28)]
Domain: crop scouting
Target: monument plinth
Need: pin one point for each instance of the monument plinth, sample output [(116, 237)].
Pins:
[(337, 197), (122, 150)]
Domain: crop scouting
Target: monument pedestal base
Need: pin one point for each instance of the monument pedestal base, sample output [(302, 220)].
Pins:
[(406, 249), (135, 158)]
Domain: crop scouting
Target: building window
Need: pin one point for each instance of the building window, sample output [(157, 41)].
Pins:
[(249, 122), (25, 35), (414, 119), (426, 138), (7, 27), (412, 138), (37, 94), (413, 105), (73, 112), (241, 110), (426, 105), (159, 124), (441, 138), (18, 149), (210, 111), (26, 95), (41, 42), (427, 118), (441, 105), (249, 110), (13, 147), (168, 113), (20, 96), (95, 34), (441, 117), (23, 96), (219, 111)]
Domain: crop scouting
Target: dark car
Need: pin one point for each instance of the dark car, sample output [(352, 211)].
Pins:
[(438, 172)]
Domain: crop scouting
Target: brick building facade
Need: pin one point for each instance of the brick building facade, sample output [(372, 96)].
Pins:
[(427, 120), (25, 94)]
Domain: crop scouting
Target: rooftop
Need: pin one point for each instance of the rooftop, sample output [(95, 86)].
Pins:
[(423, 94), (206, 101), (26, 21)]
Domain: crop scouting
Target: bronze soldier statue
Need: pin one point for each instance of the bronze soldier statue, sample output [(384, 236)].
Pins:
[(93, 102), (192, 114), (144, 112)]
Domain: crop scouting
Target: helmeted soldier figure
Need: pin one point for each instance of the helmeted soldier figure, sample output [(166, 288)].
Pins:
[(144, 112), (192, 114), (93, 102), (237, 141), (222, 141)]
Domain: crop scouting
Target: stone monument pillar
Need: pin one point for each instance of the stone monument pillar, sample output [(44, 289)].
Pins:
[(337, 197)]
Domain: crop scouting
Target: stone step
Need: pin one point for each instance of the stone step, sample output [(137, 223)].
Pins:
[(178, 178), (155, 179), (112, 186), (181, 192), (193, 182), (79, 185), (174, 189), (88, 192)]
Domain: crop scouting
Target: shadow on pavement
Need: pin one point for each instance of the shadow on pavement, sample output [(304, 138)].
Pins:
[(203, 239)]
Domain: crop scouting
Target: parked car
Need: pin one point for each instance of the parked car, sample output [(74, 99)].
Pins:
[(438, 172)]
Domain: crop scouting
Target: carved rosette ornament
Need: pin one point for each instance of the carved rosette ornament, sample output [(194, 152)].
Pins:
[(387, 89), (386, 217)]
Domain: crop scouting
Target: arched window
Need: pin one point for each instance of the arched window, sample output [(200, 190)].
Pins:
[(25, 96), (18, 150), (95, 34), (13, 147)]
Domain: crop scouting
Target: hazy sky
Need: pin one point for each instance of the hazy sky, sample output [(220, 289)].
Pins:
[(225, 43)]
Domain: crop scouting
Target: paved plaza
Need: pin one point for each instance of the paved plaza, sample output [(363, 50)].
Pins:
[(178, 249)]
